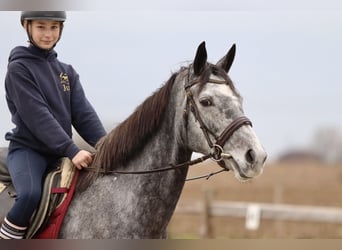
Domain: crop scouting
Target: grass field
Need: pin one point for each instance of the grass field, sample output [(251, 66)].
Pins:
[(295, 183)]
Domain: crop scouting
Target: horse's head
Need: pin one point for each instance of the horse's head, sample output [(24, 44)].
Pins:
[(215, 119)]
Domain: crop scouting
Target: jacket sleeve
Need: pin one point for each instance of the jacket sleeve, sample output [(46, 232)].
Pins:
[(34, 112), (84, 117)]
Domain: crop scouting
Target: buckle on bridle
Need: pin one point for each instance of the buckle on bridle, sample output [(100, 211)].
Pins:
[(217, 153)]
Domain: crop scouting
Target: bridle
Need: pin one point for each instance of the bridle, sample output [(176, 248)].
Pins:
[(216, 153)]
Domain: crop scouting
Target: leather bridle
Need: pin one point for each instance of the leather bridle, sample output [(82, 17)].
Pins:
[(216, 153)]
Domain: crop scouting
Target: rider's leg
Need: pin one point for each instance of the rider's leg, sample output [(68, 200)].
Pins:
[(8, 230), (27, 169)]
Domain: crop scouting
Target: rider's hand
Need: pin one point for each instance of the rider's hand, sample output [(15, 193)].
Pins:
[(82, 159)]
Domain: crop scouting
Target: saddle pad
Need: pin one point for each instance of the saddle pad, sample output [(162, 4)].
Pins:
[(51, 231), (2, 187), (57, 179)]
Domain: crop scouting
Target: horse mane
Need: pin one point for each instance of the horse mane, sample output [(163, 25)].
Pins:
[(130, 136)]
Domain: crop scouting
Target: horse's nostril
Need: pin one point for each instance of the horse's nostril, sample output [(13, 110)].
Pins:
[(250, 156)]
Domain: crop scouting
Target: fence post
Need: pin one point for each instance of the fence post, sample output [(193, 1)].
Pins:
[(278, 193), (206, 226)]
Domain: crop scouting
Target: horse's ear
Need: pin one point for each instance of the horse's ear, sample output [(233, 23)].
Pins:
[(200, 59), (226, 62)]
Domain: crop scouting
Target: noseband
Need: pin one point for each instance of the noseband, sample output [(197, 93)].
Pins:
[(216, 153)]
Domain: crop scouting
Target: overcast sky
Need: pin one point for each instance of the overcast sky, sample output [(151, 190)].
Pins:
[(287, 65)]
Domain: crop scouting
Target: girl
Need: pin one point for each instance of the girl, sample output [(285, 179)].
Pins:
[(45, 99)]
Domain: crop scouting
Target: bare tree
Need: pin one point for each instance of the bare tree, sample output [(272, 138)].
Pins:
[(327, 143)]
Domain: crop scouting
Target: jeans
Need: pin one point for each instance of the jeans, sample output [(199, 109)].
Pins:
[(27, 169)]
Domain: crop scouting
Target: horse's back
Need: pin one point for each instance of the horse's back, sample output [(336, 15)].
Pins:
[(6, 202), (6, 199), (3, 158), (4, 174)]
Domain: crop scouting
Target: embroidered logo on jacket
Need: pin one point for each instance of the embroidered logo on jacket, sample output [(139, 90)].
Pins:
[(63, 77)]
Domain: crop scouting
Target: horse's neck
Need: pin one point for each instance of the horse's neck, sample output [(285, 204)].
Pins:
[(136, 205), (163, 149)]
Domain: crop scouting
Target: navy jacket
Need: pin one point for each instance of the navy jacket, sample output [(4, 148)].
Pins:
[(46, 99)]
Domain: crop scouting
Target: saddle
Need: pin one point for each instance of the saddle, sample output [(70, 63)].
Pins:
[(58, 189)]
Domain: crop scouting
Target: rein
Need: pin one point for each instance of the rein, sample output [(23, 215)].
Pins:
[(216, 153), (171, 167)]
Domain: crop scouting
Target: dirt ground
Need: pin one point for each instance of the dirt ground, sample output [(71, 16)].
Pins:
[(295, 183)]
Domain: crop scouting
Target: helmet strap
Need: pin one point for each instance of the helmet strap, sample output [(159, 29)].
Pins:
[(31, 41)]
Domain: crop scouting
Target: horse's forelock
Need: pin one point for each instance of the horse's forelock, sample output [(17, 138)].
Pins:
[(213, 69)]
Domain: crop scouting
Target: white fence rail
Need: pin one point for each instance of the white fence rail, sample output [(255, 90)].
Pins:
[(266, 210), (254, 212)]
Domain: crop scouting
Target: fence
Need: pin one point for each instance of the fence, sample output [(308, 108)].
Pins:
[(254, 212)]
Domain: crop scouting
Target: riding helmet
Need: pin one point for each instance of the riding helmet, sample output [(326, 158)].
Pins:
[(43, 15)]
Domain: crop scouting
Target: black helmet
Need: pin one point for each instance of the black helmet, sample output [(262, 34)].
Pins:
[(43, 15)]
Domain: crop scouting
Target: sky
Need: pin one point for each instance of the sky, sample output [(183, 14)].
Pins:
[(287, 64)]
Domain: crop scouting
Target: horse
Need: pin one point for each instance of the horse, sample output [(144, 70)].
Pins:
[(139, 169)]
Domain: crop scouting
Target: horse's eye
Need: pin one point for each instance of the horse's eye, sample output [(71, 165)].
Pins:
[(206, 102)]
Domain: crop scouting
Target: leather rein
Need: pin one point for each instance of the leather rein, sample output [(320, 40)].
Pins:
[(216, 153)]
